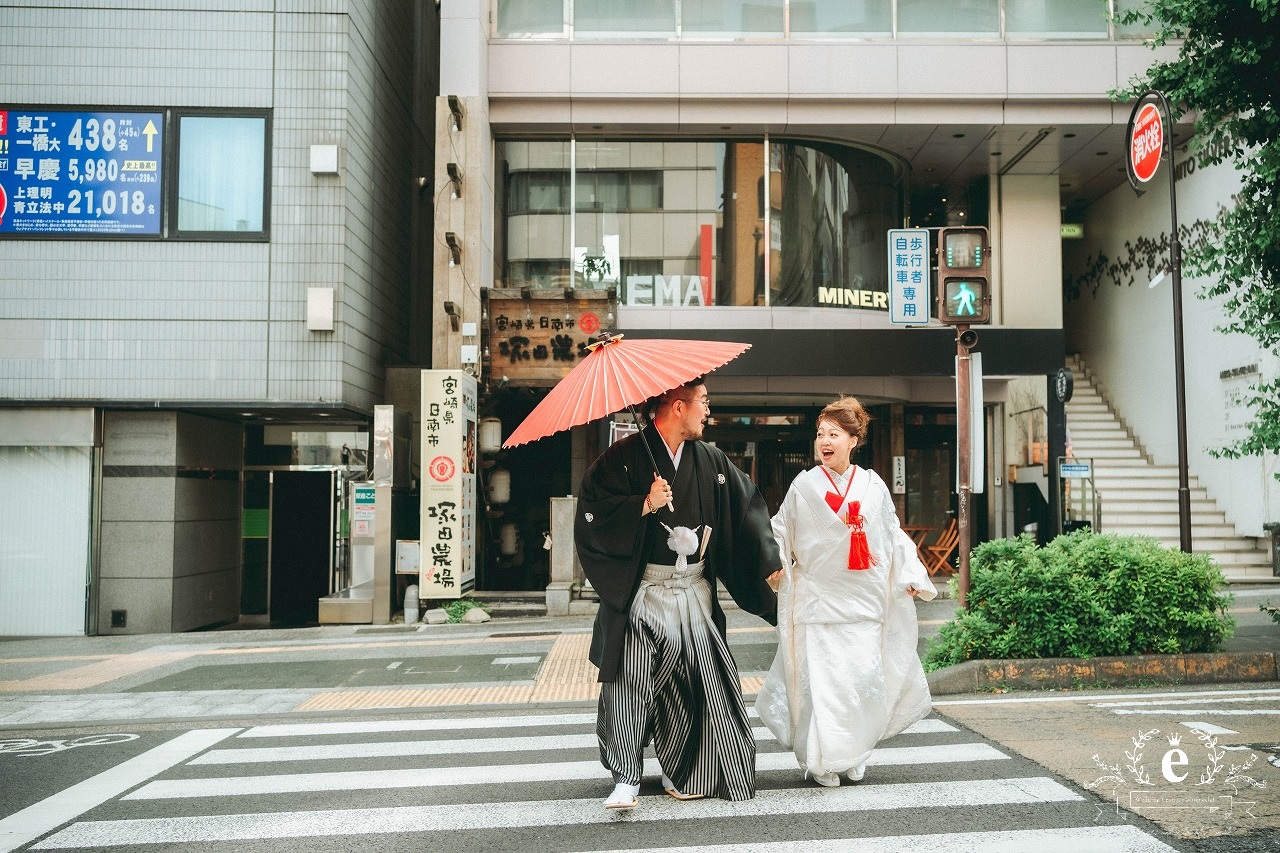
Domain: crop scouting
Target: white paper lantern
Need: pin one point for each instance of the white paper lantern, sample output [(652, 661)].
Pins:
[(499, 486), (508, 539), (490, 435)]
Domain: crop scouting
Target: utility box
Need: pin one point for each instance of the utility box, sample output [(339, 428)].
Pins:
[(408, 556)]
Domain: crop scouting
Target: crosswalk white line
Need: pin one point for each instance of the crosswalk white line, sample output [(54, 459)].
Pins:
[(396, 749), (368, 780), (1034, 699), (932, 725), (383, 726), (400, 749), (510, 815), (1202, 700), (1210, 712), (1095, 839), (35, 820)]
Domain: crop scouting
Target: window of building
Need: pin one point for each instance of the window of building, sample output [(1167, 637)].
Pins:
[(949, 18), (607, 17), (697, 223), (1075, 19), (1135, 30), (812, 19), (734, 17), (868, 19), (222, 187), (530, 18)]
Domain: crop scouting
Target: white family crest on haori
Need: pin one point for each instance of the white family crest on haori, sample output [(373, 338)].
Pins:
[(589, 517), (720, 479)]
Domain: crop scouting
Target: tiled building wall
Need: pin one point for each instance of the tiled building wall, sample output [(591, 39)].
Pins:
[(210, 322), (170, 556)]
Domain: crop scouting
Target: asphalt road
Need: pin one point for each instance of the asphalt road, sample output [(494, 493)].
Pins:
[(481, 738)]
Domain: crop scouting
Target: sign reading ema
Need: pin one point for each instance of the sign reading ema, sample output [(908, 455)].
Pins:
[(674, 291), (80, 173)]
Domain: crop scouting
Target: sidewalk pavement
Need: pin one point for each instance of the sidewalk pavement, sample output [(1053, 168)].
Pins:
[(523, 661)]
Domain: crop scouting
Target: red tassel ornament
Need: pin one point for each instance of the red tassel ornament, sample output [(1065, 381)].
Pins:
[(859, 551)]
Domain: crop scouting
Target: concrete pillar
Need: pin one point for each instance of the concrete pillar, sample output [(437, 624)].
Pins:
[(565, 570)]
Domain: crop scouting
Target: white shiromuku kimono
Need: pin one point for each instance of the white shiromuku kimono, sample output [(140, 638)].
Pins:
[(846, 674)]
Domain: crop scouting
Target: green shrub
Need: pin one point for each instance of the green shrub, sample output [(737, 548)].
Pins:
[(458, 608), (1084, 595)]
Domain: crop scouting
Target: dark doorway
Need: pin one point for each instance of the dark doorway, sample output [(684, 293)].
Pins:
[(301, 505)]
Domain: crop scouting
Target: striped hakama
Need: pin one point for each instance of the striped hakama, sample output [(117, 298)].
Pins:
[(677, 686)]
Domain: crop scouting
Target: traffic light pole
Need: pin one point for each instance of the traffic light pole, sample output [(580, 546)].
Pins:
[(965, 340)]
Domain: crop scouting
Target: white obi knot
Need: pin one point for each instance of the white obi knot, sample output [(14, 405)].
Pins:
[(684, 542)]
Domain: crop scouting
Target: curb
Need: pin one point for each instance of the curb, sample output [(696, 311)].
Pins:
[(977, 676)]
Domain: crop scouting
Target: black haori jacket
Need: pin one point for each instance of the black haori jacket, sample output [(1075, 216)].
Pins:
[(613, 539)]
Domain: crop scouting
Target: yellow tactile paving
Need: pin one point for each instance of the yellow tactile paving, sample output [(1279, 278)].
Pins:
[(346, 700), (94, 674), (54, 659), (566, 674)]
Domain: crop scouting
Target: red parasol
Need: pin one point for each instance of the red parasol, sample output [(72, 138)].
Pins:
[(618, 374)]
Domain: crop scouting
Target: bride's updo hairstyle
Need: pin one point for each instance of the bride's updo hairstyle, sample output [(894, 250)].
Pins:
[(848, 414)]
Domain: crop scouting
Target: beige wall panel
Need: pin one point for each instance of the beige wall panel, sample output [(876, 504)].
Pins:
[(1029, 252)]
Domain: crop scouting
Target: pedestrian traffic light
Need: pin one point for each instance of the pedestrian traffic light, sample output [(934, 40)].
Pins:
[(964, 277)]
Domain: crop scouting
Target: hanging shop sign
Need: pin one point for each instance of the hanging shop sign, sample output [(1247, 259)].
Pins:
[(448, 485), (81, 173), (536, 342)]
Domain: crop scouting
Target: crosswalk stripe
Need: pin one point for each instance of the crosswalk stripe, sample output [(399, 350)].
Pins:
[(35, 820), (390, 749), (510, 815), (1095, 839), (1200, 700), (931, 725), (506, 774), (416, 725), (1215, 712)]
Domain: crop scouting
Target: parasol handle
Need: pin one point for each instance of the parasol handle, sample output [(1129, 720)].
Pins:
[(648, 450)]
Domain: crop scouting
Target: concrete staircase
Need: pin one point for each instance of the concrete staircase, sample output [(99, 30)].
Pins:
[(1140, 497)]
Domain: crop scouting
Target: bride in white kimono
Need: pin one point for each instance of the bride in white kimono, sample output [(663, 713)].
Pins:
[(846, 674)]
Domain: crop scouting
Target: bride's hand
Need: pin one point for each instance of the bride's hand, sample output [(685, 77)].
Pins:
[(774, 580)]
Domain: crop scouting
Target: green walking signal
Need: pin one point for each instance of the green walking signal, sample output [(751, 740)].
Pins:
[(964, 277)]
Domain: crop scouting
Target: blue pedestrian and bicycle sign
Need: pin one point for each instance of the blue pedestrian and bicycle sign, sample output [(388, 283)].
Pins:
[(909, 276)]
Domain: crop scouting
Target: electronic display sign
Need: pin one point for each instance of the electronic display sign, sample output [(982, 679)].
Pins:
[(80, 173)]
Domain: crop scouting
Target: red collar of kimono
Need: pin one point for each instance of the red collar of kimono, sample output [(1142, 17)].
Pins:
[(860, 556)]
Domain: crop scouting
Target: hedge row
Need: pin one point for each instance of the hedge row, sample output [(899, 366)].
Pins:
[(1085, 595)]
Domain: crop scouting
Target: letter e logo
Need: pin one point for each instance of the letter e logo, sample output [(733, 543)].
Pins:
[(1173, 758)]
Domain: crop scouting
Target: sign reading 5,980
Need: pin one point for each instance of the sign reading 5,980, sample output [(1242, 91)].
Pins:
[(80, 173)]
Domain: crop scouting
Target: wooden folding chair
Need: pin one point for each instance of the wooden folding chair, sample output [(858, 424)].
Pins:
[(938, 555)]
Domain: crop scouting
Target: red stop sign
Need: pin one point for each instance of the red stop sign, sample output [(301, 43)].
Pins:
[(1146, 143)]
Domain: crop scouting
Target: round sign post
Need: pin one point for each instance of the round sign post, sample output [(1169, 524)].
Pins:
[(1149, 137), (1146, 143)]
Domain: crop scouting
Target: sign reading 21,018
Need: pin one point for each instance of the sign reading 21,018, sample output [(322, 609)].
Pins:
[(80, 173)]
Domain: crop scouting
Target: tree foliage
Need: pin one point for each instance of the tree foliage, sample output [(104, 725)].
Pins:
[(1227, 74)]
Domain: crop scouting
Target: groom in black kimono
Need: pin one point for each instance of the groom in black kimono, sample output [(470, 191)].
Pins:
[(654, 544)]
